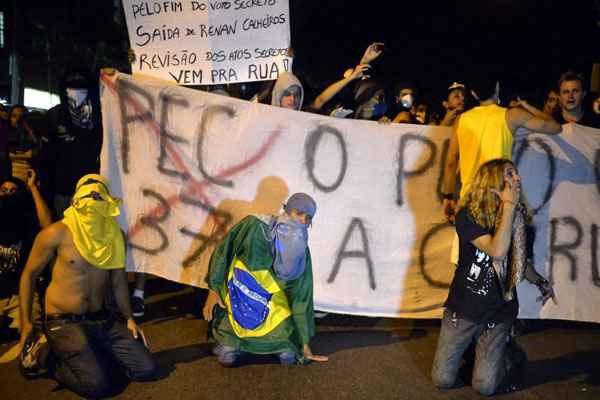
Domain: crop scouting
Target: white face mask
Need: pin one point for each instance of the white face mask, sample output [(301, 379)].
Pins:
[(407, 100), (76, 96)]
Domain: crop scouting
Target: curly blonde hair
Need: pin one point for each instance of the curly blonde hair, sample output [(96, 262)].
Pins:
[(482, 204)]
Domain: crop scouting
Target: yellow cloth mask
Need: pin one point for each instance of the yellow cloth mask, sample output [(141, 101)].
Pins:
[(91, 221)]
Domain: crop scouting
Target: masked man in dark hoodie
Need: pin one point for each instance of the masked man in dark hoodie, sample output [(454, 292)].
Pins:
[(260, 279), (75, 134)]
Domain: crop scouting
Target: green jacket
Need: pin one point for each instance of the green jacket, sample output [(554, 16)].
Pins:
[(247, 247)]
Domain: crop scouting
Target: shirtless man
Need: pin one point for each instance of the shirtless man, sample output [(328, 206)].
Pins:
[(89, 251)]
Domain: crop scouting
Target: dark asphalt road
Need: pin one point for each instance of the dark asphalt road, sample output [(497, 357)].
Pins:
[(370, 358)]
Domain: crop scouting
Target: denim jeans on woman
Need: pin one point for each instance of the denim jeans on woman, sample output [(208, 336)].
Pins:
[(490, 352)]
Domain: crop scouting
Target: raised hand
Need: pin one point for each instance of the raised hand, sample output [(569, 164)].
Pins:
[(31, 178), (360, 72), (372, 52)]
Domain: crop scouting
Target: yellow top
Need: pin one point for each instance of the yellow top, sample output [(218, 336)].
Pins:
[(91, 220), (483, 135)]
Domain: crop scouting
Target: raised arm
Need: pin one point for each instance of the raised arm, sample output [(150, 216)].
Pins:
[(336, 87), (372, 52), (44, 247), (518, 117), (533, 110), (41, 208)]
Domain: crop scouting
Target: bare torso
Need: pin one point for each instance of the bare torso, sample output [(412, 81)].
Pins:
[(76, 286)]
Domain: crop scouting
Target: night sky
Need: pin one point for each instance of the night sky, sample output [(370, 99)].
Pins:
[(525, 44)]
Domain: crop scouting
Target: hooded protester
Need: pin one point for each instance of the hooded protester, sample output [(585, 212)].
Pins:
[(260, 276), (75, 136), (288, 92), (82, 332)]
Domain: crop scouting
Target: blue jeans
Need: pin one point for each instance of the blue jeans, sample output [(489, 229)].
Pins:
[(229, 355), (84, 349), (490, 352)]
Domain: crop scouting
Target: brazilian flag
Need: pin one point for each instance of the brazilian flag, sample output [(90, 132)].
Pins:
[(263, 314)]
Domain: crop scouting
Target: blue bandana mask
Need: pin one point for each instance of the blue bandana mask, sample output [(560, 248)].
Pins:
[(379, 109), (290, 241)]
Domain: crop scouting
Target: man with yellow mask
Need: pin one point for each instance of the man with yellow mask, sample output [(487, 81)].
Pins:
[(88, 249), (260, 276)]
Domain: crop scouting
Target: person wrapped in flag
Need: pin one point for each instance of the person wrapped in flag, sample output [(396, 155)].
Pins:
[(260, 284)]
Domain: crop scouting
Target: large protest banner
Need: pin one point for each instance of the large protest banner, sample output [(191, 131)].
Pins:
[(190, 164), (204, 42)]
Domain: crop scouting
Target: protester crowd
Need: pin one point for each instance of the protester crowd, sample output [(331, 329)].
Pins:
[(44, 155)]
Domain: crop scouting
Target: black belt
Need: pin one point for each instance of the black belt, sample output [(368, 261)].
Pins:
[(89, 316)]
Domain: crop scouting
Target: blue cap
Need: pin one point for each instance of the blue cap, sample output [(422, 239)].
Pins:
[(301, 202)]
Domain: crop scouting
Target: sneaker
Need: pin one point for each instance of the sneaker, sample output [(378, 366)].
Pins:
[(227, 355), (321, 314), (137, 306), (287, 358)]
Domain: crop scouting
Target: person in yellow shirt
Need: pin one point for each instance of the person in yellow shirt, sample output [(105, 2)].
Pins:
[(485, 133)]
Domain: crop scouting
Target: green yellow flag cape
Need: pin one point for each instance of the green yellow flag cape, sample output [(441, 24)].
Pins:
[(263, 314), (91, 221)]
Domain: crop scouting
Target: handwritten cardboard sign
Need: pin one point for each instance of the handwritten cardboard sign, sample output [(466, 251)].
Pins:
[(196, 42)]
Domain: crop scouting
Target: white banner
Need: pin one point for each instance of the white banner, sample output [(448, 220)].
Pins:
[(205, 42), (190, 164)]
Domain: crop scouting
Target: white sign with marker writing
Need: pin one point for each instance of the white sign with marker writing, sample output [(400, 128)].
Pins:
[(190, 164), (207, 42)]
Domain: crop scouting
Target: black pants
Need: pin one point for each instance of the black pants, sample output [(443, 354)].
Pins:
[(84, 350)]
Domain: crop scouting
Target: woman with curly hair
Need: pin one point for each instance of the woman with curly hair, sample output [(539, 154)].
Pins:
[(482, 303)]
